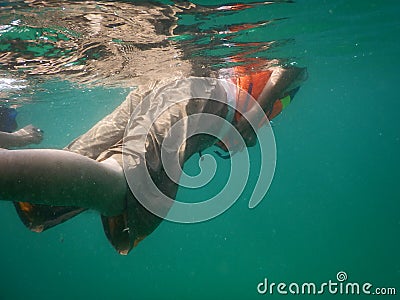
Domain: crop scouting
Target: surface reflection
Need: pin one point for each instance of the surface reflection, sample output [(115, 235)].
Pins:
[(126, 43)]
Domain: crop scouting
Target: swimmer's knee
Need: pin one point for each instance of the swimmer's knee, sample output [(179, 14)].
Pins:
[(112, 164)]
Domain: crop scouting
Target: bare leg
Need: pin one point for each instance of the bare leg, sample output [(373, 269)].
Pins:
[(62, 178)]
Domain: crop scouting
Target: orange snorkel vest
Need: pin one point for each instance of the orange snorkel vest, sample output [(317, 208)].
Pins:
[(251, 85)]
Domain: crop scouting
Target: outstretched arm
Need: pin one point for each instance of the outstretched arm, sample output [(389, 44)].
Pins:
[(23, 137), (62, 178)]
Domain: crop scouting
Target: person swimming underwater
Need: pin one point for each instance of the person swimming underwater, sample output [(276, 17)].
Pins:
[(51, 186)]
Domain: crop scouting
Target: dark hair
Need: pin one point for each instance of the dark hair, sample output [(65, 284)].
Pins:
[(7, 119)]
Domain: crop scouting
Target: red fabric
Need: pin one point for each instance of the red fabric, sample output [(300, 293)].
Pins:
[(257, 81)]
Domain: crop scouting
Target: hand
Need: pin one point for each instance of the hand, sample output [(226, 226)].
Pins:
[(29, 135)]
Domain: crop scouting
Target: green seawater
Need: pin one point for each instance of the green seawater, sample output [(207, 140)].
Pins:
[(333, 204)]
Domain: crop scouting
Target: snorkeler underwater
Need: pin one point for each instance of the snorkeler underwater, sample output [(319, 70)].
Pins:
[(105, 171), (173, 129)]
